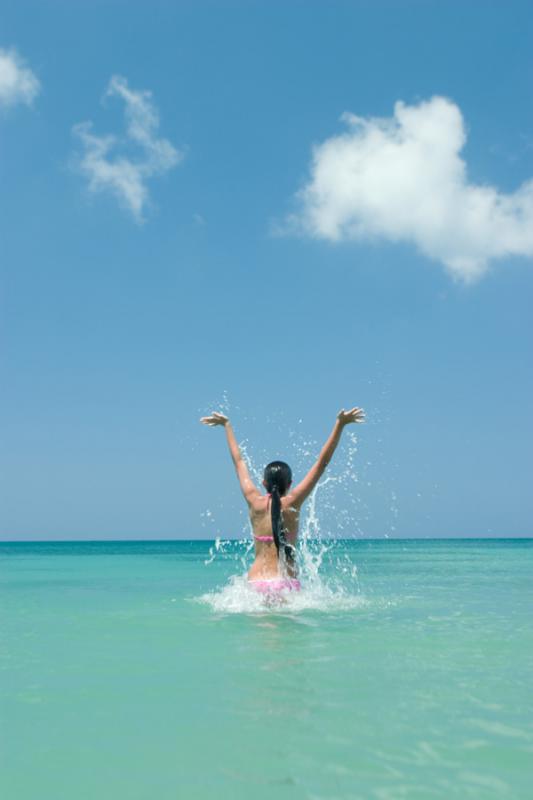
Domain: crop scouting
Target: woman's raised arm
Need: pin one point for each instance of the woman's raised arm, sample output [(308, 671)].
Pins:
[(249, 489), (306, 486)]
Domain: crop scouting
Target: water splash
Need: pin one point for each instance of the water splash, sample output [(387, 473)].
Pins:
[(239, 597), (328, 575), (335, 510)]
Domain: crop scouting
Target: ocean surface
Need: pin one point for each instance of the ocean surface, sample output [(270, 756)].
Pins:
[(148, 670)]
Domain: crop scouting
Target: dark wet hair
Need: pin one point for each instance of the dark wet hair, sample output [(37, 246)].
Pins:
[(278, 478)]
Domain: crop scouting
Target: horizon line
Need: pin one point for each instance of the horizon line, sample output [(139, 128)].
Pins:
[(384, 538)]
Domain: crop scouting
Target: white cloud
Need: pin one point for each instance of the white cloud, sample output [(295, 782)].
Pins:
[(403, 179), (106, 160), (18, 84)]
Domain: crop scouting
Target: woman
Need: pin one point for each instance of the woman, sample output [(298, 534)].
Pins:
[(275, 516)]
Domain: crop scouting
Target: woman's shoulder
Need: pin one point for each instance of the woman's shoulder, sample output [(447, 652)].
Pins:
[(288, 503), (259, 502)]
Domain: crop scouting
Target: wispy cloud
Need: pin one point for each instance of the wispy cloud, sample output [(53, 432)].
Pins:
[(106, 160), (403, 179), (18, 84)]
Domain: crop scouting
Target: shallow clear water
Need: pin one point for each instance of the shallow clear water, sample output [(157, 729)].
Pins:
[(136, 670)]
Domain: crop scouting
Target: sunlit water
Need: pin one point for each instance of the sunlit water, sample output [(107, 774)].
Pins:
[(137, 670)]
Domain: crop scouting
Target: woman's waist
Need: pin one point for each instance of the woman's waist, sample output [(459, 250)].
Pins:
[(266, 565)]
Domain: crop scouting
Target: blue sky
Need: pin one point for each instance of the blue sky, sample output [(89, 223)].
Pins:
[(217, 260)]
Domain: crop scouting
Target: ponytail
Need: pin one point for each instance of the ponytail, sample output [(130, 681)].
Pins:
[(278, 478), (277, 519)]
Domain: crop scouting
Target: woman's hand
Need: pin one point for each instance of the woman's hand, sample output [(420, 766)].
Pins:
[(215, 418), (353, 415)]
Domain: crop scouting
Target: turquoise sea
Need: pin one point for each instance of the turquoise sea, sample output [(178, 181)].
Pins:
[(140, 670)]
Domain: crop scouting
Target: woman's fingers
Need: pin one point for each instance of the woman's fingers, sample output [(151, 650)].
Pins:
[(355, 414), (215, 418)]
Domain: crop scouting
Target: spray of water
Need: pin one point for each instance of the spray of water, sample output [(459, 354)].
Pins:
[(326, 568), (342, 507)]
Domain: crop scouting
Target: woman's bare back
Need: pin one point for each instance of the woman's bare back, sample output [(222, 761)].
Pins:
[(266, 564)]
